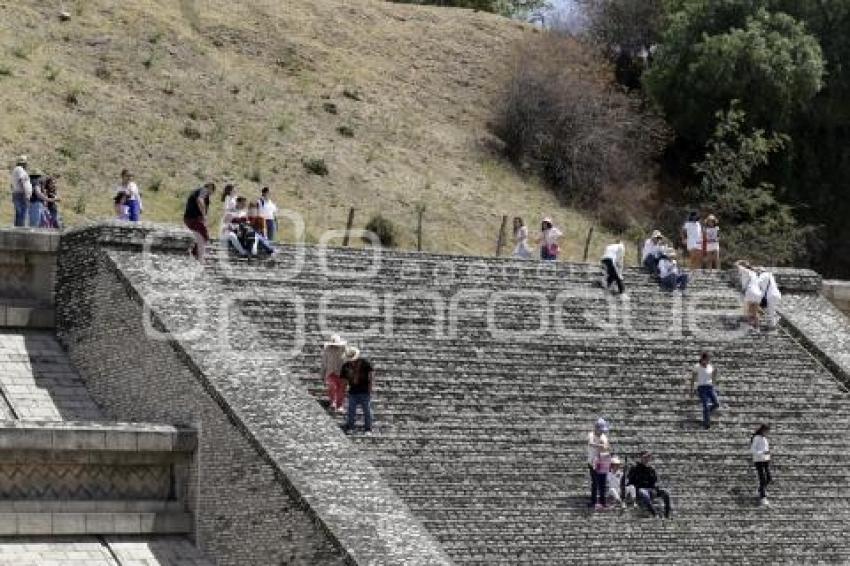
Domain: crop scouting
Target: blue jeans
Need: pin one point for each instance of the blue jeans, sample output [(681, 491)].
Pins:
[(36, 209), (22, 205), (708, 398), (363, 400), (134, 210), (673, 282), (646, 495), (271, 229), (651, 264)]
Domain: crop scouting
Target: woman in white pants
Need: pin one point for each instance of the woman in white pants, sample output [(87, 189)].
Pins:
[(752, 292), (771, 297)]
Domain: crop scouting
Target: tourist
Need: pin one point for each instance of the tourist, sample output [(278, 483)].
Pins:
[(521, 248), (692, 240), (613, 260), (21, 191), (357, 372), (618, 492), (230, 228), (711, 243), (134, 198), (51, 193), (601, 469), (753, 294), (770, 296), (122, 211), (597, 443), (670, 278), (268, 211), (652, 248), (334, 355), (704, 375), (228, 197), (644, 479), (195, 217), (761, 459), (548, 240), (38, 203), (255, 218)]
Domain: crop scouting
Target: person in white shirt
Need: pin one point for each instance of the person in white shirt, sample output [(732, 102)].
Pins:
[(548, 240), (771, 296), (752, 292), (616, 488), (704, 375), (597, 444), (134, 197), (711, 236), (692, 240), (652, 248), (760, 448), (21, 191), (521, 248), (613, 261), (670, 278), (268, 212), (228, 197)]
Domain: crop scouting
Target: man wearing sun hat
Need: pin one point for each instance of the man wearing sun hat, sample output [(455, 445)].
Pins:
[(651, 252), (21, 190)]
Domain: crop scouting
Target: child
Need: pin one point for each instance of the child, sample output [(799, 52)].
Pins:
[(617, 487), (52, 195)]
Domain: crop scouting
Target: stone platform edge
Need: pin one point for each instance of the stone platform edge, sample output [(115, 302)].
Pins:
[(59, 436)]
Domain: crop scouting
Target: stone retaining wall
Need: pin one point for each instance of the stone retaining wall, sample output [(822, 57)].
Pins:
[(244, 513)]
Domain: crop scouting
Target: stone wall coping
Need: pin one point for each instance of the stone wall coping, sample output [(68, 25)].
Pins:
[(28, 435), (118, 233), (33, 240)]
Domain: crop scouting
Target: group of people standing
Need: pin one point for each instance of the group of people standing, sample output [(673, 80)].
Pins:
[(547, 240), (246, 228), (35, 197), (346, 373)]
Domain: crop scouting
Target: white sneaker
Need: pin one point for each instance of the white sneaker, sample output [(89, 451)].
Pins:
[(763, 502)]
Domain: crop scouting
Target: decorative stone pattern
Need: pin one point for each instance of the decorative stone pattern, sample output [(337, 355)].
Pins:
[(67, 482), (28, 264)]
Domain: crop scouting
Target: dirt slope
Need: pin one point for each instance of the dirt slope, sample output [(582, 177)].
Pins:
[(181, 91)]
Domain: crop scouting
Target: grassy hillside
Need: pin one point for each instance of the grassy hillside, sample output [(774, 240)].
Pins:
[(394, 98)]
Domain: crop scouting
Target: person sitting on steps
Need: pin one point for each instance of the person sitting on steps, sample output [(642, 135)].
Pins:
[(645, 481), (652, 249), (618, 492), (670, 278)]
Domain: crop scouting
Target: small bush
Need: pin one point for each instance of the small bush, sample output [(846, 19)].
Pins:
[(345, 131), (330, 108), (5, 71), (102, 72), (80, 204), (285, 123), (155, 185), (352, 94), (384, 229), (51, 73), (255, 175), (316, 166), (191, 132), (72, 97), (148, 61), (68, 152), (21, 52)]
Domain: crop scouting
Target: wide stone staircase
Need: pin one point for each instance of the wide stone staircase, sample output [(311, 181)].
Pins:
[(490, 373)]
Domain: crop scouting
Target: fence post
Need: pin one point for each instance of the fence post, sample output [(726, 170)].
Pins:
[(348, 227), (501, 241), (587, 242), (420, 210)]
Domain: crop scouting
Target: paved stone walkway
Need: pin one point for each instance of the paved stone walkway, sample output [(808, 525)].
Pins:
[(90, 551), (38, 382)]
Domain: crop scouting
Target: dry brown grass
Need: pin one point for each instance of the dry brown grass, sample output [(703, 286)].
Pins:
[(130, 84)]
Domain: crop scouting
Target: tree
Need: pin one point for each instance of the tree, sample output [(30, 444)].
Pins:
[(769, 63), (629, 24), (755, 224)]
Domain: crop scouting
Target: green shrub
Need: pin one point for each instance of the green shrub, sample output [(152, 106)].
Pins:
[(345, 131), (316, 166), (191, 132), (384, 229)]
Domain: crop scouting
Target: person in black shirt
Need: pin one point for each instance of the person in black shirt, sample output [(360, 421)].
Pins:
[(643, 477), (195, 218), (358, 373)]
